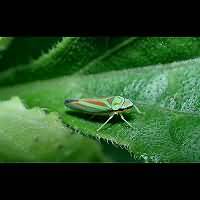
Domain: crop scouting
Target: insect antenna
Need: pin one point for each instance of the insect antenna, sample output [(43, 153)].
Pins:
[(137, 109)]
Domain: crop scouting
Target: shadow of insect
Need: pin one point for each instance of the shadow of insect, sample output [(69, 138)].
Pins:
[(98, 118)]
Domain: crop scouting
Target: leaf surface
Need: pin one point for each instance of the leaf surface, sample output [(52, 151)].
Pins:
[(167, 132)]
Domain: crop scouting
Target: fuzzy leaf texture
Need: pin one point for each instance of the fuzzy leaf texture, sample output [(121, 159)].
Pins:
[(167, 132)]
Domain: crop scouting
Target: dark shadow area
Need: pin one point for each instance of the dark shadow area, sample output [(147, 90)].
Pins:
[(98, 118), (117, 154)]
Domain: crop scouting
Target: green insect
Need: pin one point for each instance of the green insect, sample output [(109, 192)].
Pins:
[(111, 106)]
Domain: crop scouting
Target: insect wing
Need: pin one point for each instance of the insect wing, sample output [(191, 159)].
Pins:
[(89, 105)]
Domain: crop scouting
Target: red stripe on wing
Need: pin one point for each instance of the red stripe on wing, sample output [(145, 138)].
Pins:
[(96, 102)]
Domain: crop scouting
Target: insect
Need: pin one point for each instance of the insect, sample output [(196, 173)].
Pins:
[(114, 105)]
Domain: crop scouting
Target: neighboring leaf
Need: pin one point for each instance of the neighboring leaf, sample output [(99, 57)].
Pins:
[(70, 55), (145, 51), (89, 55), (23, 50), (33, 136), (4, 44), (99, 54), (169, 96)]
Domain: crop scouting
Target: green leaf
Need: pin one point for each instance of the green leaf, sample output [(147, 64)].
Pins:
[(90, 55), (167, 94), (24, 50), (118, 154), (145, 51), (5, 42), (70, 54), (31, 135)]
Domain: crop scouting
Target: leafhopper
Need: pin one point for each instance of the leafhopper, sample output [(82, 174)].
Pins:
[(115, 105)]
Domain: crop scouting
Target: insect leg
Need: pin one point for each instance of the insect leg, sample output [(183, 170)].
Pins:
[(125, 120), (136, 108), (106, 122)]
